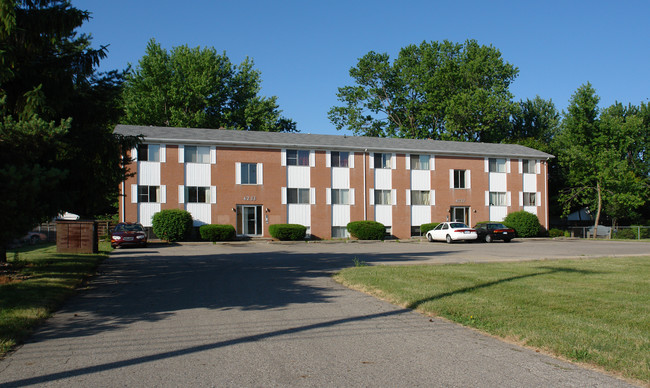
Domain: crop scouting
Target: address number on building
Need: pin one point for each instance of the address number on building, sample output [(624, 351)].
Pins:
[(247, 198)]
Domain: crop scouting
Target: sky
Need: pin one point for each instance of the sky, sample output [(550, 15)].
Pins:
[(305, 49)]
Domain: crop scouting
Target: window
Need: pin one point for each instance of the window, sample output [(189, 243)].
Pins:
[(340, 159), (528, 166), (420, 197), (149, 153), (148, 193), (298, 196), (382, 160), (198, 194), (248, 174), (197, 154), (459, 179), (339, 232), (382, 197), (415, 231), (340, 196), (498, 199), (419, 162), (297, 157), (497, 165), (530, 199)]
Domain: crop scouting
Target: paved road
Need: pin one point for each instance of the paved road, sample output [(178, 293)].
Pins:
[(260, 314)]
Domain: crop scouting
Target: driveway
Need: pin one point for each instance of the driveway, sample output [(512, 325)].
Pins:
[(260, 314)]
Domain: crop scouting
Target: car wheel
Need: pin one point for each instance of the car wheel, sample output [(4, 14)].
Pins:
[(449, 240), (506, 240), (488, 238), (429, 237)]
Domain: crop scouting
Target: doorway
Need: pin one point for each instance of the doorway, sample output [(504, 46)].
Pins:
[(249, 220), (460, 214)]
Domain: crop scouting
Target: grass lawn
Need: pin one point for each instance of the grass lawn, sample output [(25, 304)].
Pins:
[(35, 283), (595, 311)]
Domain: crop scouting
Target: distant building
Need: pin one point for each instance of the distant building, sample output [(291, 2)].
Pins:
[(253, 179)]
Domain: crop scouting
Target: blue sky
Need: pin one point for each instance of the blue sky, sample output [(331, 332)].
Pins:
[(304, 49)]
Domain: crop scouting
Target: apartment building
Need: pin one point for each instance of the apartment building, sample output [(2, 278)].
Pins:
[(254, 179)]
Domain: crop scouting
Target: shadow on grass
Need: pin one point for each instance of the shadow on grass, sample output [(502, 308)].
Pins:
[(549, 270)]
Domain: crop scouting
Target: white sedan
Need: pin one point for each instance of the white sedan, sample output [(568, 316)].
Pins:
[(451, 231)]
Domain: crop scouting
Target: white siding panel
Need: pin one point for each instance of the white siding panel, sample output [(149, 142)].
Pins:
[(498, 213), (468, 179), (181, 194), (393, 161), (149, 173), (498, 181), (201, 213), (451, 178), (298, 177), (213, 194), (312, 195), (372, 160), (283, 156), (146, 212), (420, 215), (538, 199), (384, 214), (432, 163), (134, 154), (181, 154), (299, 214), (328, 159), (530, 183), (371, 196), (383, 179), (340, 215), (134, 193), (408, 161), (538, 168), (351, 160), (420, 180), (197, 174), (328, 196), (163, 153), (284, 196), (238, 173), (213, 154), (408, 197), (351, 196), (340, 177), (260, 173), (531, 209), (312, 158)]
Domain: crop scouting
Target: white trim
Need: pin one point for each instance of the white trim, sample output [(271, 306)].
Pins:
[(181, 154), (393, 197), (371, 194), (312, 195), (283, 157), (163, 153), (521, 198), (372, 160), (213, 194), (134, 193), (521, 165), (537, 167), (508, 198), (328, 196), (393, 161), (408, 197), (213, 155), (408, 161), (468, 179), (284, 195), (432, 197), (538, 199), (163, 193), (134, 154), (351, 160), (451, 178), (432, 162), (181, 194), (508, 166), (238, 173), (351, 196), (487, 198), (487, 164), (260, 174), (312, 158), (328, 158)]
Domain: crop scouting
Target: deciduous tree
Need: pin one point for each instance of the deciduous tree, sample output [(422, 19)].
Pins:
[(195, 87), (447, 91)]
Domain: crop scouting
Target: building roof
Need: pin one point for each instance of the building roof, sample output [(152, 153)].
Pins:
[(252, 139)]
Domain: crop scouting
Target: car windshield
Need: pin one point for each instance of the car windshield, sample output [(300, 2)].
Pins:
[(497, 226), (458, 225), (129, 228)]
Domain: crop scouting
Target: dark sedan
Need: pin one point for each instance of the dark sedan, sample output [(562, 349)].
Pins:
[(128, 234), (494, 231)]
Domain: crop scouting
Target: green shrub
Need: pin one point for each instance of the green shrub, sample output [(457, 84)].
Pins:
[(217, 232), (172, 224), (367, 230), (293, 232), (555, 232), (524, 223), (424, 228)]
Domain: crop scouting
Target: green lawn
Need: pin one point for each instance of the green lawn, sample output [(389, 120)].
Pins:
[(35, 284), (595, 311)]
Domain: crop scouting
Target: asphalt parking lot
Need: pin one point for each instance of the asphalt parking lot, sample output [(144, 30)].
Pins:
[(269, 314)]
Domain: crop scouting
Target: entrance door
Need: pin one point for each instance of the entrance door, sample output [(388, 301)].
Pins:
[(249, 220), (460, 214)]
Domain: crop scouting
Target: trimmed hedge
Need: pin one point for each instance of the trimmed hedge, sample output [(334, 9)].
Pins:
[(555, 232), (524, 223), (293, 232), (424, 228), (217, 232), (172, 224), (367, 230)]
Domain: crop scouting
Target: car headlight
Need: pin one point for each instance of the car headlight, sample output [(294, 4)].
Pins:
[(140, 236), (117, 237)]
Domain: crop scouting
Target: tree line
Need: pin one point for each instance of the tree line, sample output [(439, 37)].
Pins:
[(59, 153)]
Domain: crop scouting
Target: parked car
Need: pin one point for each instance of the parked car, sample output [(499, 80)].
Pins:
[(128, 234), (452, 231), (494, 231)]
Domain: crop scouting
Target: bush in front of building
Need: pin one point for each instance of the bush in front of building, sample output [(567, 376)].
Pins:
[(172, 224), (524, 223), (424, 228), (367, 230), (217, 232), (555, 232), (291, 232)]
